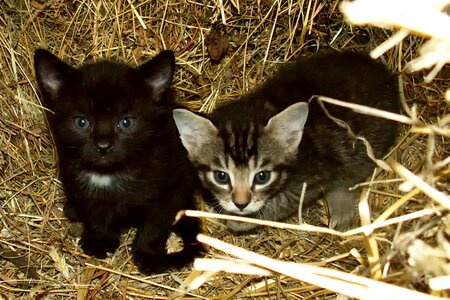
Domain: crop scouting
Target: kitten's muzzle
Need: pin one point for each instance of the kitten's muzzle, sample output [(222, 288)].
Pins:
[(103, 146), (241, 198), (241, 206)]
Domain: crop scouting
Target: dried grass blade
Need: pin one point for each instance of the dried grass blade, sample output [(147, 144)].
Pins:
[(434, 194), (340, 282)]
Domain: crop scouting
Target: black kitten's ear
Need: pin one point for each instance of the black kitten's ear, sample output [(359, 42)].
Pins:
[(51, 73), (158, 72)]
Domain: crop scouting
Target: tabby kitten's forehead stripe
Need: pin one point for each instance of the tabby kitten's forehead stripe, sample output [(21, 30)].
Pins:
[(231, 136), (226, 162), (240, 143)]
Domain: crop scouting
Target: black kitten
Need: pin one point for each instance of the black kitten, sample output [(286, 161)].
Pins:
[(254, 155), (121, 161)]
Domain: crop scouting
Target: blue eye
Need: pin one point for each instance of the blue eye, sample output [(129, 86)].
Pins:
[(262, 177), (221, 177), (126, 123), (81, 123)]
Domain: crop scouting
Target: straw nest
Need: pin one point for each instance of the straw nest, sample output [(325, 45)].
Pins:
[(223, 49)]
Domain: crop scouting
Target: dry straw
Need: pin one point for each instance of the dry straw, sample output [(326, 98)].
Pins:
[(411, 16), (401, 249)]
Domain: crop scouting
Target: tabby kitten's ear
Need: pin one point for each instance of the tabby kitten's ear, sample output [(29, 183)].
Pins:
[(51, 73), (195, 131), (287, 126), (158, 72)]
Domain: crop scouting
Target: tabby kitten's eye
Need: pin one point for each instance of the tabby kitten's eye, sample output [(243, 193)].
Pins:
[(221, 177), (126, 123), (262, 177), (81, 123)]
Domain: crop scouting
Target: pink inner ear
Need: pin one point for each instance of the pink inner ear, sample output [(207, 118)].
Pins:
[(158, 83), (190, 139), (294, 137), (52, 83)]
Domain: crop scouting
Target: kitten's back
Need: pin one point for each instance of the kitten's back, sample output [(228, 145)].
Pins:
[(346, 76)]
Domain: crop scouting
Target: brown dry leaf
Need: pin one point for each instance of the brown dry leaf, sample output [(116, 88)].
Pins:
[(217, 44)]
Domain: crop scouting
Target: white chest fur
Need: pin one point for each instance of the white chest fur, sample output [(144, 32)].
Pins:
[(100, 181), (96, 182)]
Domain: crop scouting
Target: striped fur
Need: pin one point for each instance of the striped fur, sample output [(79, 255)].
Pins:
[(242, 152), (233, 147)]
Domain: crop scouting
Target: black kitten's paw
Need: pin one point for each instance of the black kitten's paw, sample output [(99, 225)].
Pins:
[(157, 263), (76, 229), (98, 247), (150, 263)]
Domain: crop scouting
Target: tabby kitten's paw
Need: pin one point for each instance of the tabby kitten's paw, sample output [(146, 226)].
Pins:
[(99, 247), (341, 207), (342, 221)]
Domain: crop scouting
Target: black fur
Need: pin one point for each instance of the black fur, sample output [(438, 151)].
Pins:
[(146, 165)]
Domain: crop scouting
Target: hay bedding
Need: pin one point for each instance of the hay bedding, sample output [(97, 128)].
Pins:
[(223, 48)]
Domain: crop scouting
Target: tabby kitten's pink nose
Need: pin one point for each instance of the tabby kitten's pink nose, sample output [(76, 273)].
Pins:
[(241, 198)]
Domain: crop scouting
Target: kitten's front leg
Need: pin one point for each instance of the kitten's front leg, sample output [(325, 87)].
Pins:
[(99, 238), (188, 229), (150, 254), (72, 211), (341, 205), (149, 247)]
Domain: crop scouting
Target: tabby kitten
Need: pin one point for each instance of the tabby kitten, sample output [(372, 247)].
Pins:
[(254, 155), (121, 161)]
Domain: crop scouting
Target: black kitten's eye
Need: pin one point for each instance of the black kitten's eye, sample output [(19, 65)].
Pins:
[(262, 177), (126, 123), (81, 123), (221, 177)]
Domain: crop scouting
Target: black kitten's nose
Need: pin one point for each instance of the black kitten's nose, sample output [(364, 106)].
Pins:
[(241, 206), (103, 147)]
